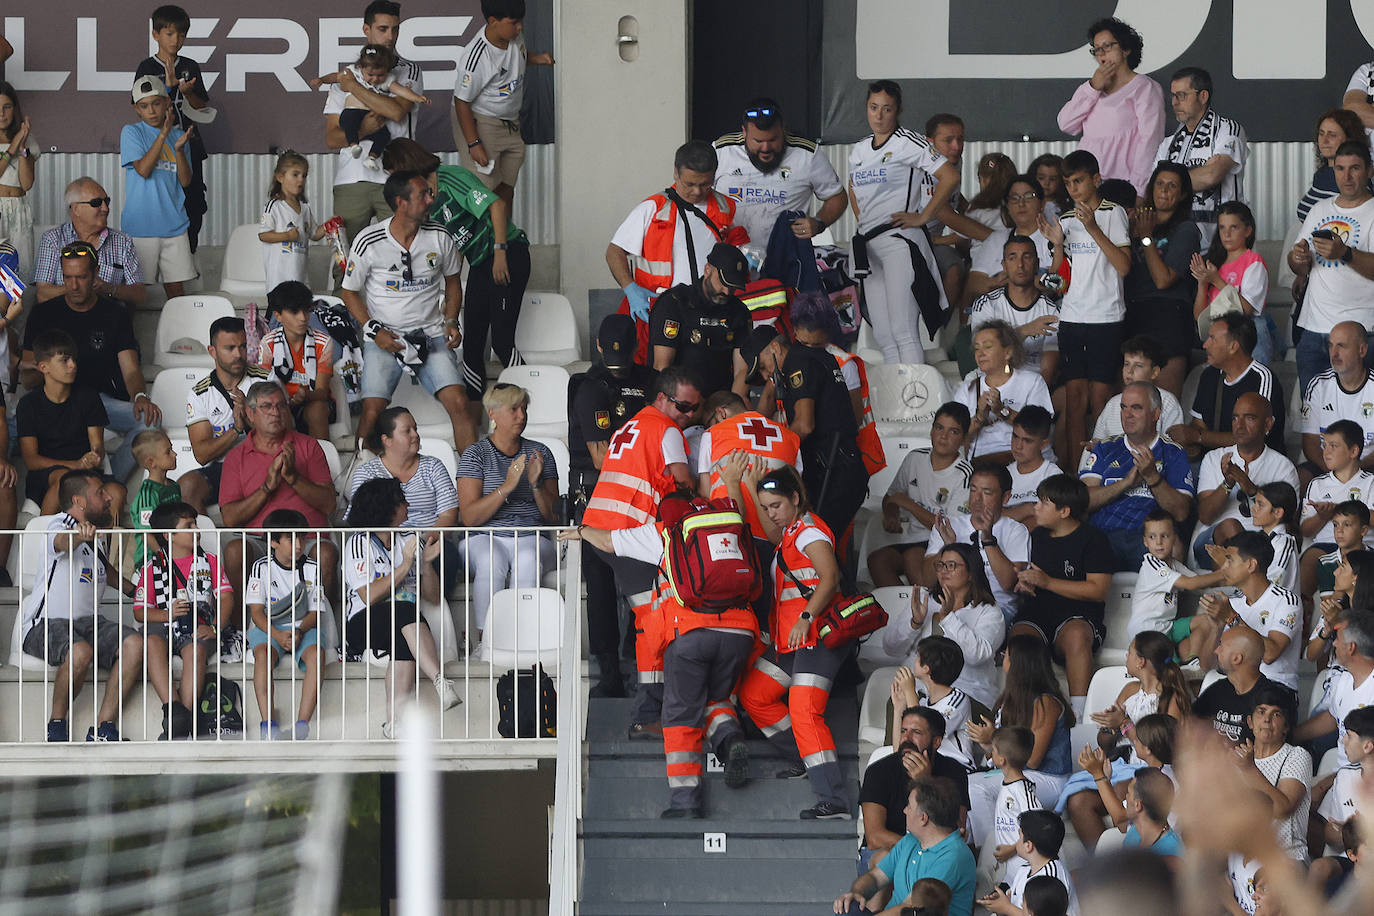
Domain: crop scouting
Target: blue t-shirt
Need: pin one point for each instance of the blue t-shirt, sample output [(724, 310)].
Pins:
[(948, 860), (1167, 845), (154, 207), (1111, 460)]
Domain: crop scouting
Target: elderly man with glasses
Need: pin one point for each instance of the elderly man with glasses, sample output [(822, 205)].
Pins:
[(120, 272)]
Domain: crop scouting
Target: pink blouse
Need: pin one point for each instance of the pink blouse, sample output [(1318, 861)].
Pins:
[(1123, 130)]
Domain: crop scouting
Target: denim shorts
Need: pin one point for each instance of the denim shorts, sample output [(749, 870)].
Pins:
[(382, 371)]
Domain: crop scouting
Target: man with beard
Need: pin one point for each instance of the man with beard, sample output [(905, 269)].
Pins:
[(701, 325), (766, 170), (886, 783), (61, 625), (216, 418)]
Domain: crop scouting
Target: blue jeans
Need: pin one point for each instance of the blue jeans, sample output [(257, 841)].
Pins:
[(1200, 554), (123, 421), (1128, 544), (382, 371), (1314, 356)]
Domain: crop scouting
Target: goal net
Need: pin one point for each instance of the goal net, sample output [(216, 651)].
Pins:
[(198, 843)]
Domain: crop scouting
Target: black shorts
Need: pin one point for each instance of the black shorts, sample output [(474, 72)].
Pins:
[(1091, 351), (298, 415), (1049, 625), (1168, 321), (379, 628), (36, 482)]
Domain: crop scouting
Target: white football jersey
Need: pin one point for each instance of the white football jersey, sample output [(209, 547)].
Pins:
[(887, 179)]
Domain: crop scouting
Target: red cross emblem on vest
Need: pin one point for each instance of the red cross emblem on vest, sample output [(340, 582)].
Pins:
[(760, 434)]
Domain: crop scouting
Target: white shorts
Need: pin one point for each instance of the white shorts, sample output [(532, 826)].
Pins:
[(167, 260)]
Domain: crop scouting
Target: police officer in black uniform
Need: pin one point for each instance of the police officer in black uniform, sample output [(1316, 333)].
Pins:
[(702, 324), (600, 401), (811, 389)]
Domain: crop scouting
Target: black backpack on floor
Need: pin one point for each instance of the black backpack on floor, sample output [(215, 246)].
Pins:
[(538, 706), (221, 707)]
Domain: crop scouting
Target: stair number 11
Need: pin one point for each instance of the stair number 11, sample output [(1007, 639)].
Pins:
[(713, 842)]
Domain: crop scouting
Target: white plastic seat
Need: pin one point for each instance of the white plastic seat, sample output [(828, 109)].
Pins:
[(524, 627), (1117, 618), (1319, 689), (431, 420), (547, 330), (904, 398), (437, 448), (186, 457), (341, 430), (184, 319), (548, 389), (336, 469), (872, 536), (866, 345), (1111, 840), (561, 457), (1330, 763), (873, 706), (1210, 678), (242, 273), (896, 448), (1102, 692), (172, 393)]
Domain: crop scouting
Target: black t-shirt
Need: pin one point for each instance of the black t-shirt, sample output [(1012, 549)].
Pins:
[(61, 429), (811, 373), (886, 782), (601, 403), (186, 69), (101, 334), (1228, 710), (1071, 557), (1257, 378), (704, 334)]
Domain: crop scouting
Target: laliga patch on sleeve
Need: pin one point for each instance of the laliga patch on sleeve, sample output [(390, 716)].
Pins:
[(603, 419), (724, 547), (670, 329)]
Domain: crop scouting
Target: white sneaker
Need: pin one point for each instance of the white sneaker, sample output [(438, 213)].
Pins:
[(390, 732), (355, 151), (371, 162), (448, 692)]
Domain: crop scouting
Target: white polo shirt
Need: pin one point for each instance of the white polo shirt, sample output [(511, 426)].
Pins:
[(1269, 467), (492, 79), (403, 296), (887, 179), (997, 306), (759, 197), (1325, 401), (1328, 489), (1096, 293), (1276, 610), (938, 492)]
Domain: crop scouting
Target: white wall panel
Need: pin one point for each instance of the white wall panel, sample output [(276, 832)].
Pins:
[(238, 184)]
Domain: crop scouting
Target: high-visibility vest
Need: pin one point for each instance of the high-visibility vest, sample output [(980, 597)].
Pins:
[(756, 434), (634, 476), (870, 446), (653, 267), (790, 600)]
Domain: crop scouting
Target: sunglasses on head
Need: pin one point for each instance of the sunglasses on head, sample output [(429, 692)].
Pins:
[(95, 203), (79, 250), (752, 113), (770, 484)]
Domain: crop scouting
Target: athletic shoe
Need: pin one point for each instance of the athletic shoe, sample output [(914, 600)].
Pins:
[(791, 771), (448, 692), (107, 731), (826, 811), (302, 730), (737, 764), (648, 731), (231, 645), (355, 150), (372, 163), (58, 731), (391, 730), (269, 730)]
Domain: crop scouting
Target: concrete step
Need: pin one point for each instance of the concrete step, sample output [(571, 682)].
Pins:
[(766, 866), (679, 908), (608, 719), (763, 799)]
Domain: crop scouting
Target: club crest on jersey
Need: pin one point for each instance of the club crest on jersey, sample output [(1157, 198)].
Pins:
[(603, 419), (887, 157), (943, 496), (1367, 409), (796, 379), (785, 172), (670, 329), (431, 259)]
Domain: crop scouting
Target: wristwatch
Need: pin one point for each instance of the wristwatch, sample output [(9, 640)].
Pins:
[(1347, 255), (988, 540), (499, 246), (805, 615), (1147, 242)]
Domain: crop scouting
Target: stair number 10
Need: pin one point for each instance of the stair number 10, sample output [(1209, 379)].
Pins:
[(713, 842)]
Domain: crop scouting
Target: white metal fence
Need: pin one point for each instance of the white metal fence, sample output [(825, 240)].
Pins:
[(537, 623)]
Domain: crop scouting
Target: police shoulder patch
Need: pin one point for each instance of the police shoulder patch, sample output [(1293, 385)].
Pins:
[(670, 329), (603, 419)]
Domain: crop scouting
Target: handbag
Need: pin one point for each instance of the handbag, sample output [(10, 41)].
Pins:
[(848, 618)]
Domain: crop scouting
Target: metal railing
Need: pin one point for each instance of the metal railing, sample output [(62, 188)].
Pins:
[(564, 884), (527, 625)]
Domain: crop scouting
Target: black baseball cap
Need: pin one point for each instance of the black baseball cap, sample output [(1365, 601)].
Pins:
[(757, 341), (731, 263), (618, 341)]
